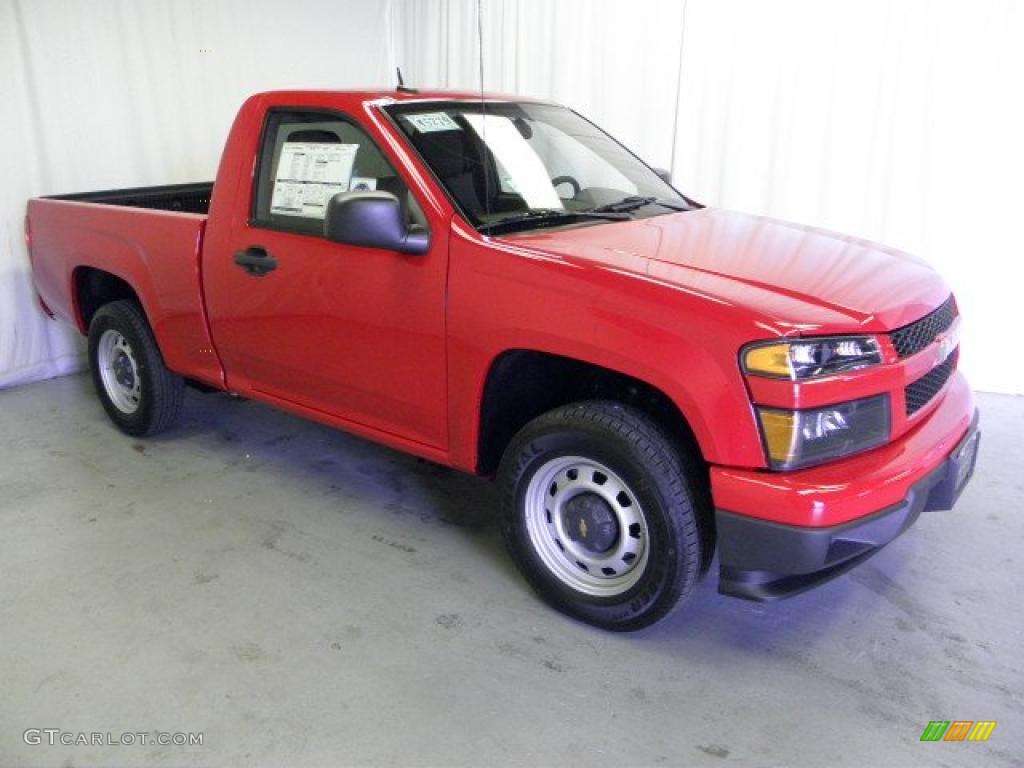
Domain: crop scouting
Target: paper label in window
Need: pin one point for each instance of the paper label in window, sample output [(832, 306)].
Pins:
[(308, 175), (429, 122)]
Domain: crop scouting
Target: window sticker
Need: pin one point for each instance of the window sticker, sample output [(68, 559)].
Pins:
[(429, 122), (308, 175)]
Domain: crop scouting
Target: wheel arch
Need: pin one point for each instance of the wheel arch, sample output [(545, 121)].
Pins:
[(518, 388), (92, 287), (521, 384)]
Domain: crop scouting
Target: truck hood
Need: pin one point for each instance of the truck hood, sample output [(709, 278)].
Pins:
[(799, 279)]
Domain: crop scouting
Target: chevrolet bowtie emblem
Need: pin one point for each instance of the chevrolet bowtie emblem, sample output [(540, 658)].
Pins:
[(945, 347)]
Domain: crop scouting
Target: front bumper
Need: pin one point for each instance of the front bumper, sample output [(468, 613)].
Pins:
[(782, 533)]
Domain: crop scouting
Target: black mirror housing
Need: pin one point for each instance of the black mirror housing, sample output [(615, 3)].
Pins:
[(372, 220)]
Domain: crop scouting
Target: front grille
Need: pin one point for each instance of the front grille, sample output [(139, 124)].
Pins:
[(911, 339), (920, 393)]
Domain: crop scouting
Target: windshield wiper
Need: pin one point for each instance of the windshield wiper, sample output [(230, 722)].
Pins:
[(546, 215), (633, 202)]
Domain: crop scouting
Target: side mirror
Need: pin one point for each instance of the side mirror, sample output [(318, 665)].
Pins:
[(663, 174), (372, 220)]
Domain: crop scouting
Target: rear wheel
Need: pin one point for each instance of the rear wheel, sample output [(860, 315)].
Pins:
[(137, 391), (599, 516)]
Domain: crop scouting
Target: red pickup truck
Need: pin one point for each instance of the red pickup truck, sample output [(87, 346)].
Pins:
[(497, 285)]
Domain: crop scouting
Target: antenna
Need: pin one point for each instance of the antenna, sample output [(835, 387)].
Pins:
[(483, 109), (402, 87)]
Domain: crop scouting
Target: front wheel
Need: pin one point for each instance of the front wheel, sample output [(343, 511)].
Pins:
[(599, 516), (137, 391)]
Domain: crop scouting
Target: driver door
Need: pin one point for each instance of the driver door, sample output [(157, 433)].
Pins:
[(351, 332)]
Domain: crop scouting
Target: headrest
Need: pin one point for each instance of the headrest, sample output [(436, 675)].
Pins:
[(314, 136), (446, 151)]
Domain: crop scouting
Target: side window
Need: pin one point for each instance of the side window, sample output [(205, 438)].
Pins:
[(307, 158)]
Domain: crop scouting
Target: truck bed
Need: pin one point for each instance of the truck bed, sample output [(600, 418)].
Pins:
[(150, 238), (183, 198)]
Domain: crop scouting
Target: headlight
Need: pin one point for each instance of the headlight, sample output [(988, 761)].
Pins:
[(807, 358), (795, 439)]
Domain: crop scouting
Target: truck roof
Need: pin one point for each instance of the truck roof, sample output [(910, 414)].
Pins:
[(352, 97)]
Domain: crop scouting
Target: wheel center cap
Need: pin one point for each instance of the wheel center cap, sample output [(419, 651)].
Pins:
[(123, 370), (589, 522)]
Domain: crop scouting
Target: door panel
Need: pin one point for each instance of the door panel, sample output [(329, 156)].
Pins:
[(357, 333)]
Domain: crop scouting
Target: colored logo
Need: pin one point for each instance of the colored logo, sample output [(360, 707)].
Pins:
[(958, 730), (946, 346)]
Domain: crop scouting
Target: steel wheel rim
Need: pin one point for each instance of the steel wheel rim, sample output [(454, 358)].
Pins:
[(119, 371), (597, 573)]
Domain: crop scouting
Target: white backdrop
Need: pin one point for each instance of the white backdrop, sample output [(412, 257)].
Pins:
[(897, 121), (100, 94)]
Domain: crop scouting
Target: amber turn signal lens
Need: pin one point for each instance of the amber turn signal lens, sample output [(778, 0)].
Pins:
[(780, 437), (770, 360)]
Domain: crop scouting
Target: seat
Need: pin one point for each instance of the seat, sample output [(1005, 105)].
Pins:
[(455, 159)]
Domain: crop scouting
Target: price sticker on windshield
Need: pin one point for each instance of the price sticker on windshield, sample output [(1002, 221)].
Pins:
[(430, 122)]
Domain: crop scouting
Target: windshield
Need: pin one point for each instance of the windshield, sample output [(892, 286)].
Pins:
[(513, 166)]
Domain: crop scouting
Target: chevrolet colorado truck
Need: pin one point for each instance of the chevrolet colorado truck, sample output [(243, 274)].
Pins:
[(497, 285)]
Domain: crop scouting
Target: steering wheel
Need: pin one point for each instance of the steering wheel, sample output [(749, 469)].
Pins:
[(567, 180)]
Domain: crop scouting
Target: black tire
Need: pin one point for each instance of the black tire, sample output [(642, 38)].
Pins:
[(643, 458), (160, 392)]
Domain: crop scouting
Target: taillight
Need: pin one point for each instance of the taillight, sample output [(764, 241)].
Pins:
[(28, 235)]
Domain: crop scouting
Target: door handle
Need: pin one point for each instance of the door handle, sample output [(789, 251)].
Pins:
[(256, 261)]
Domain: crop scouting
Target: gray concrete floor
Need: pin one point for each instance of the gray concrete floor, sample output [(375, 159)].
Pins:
[(304, 598)]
